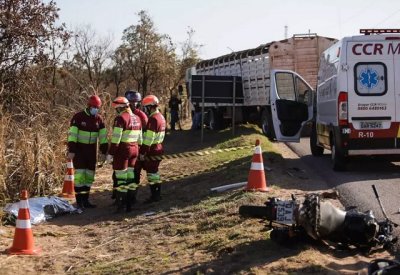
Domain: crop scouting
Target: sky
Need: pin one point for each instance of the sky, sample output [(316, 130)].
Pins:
[(223, 26)]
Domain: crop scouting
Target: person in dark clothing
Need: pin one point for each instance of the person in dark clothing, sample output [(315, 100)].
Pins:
[(173, 105), (196, 117)]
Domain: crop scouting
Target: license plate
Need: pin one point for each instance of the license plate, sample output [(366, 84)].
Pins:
[(371, 125), (284, 212)]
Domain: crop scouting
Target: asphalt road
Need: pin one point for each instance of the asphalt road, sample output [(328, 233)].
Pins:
[(355, 184)]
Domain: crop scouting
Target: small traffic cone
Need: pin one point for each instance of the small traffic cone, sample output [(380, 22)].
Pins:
[(257, 180), (23, 237), (68, 190)]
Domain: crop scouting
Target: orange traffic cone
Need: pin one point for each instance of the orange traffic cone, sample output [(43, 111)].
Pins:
[(68, 187), (23, 237), (256, 180)]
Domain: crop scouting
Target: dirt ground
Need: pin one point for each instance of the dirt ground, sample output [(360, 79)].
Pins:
[(191, 231)]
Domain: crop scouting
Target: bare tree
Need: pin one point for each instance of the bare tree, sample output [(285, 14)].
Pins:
[(92, 53), (27, 28)]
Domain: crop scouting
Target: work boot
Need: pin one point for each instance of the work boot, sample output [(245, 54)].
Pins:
[(130, 200), (153, 196), (86, 202), (128, 203), (79, 202), (121, 201), (79, 198), (157, 192)]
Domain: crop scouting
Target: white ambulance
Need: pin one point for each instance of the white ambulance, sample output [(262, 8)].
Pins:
[(357, 105)]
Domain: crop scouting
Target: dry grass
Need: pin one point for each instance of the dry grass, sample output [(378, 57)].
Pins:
[(33, 146)]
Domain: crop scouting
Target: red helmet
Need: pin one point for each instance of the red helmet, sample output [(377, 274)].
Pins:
[(150, 100), (120, 102), (94, 101)]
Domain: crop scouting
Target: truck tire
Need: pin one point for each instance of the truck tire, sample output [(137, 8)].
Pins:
[(253, 211), (338, 159), (316, 150), (215, 122), (267, 125)]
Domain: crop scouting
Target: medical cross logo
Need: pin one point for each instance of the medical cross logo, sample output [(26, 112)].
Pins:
[(369, 78)]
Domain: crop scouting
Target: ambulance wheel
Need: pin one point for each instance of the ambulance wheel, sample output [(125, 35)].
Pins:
[(267, 125), (316, 150), (338, 159)]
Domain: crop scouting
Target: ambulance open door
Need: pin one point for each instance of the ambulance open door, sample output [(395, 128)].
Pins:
[(291, 104)]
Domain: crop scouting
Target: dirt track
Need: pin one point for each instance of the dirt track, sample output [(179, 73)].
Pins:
[(179, 235)]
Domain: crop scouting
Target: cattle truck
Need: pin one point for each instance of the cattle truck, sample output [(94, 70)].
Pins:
[(238, 84)]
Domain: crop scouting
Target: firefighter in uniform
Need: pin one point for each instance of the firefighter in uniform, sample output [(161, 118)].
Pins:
[(124, 150), (87, 127), (134, 99), (152, 145)]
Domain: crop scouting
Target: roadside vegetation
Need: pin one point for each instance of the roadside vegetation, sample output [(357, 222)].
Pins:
[(48, 71)]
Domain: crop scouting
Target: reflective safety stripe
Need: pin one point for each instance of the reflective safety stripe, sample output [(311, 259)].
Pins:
[(117, 135), (126, 188), (130, 174), (151, 137), (70, 164), (257, 166), (121, 176), (23, 224), (130, 136), (132, 186), (89, 177), (257, 150), (148, 137), (80, 176), (153, 178), (140, 139), (69, 177), (86, 137), (23, 204), (103, 136), (73, 134), (159, 138)]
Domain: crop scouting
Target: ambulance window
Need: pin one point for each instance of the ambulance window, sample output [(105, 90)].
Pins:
[(370, 78), (303, 92), (285, 86)]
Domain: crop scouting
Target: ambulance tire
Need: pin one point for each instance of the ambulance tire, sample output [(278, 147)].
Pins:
[(338, 159), (267, 125), (316, 150)]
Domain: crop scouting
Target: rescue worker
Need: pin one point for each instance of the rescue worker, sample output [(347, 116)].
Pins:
[(86, 128), (127, 134), (173, 105), (152, 145), (135, 99)]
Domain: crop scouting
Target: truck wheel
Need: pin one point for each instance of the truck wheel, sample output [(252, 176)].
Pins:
[(267, 125), (338, 159), (316, 150), (214, 119)]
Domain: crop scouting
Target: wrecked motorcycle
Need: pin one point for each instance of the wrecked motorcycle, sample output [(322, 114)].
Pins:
[(321, 220)]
